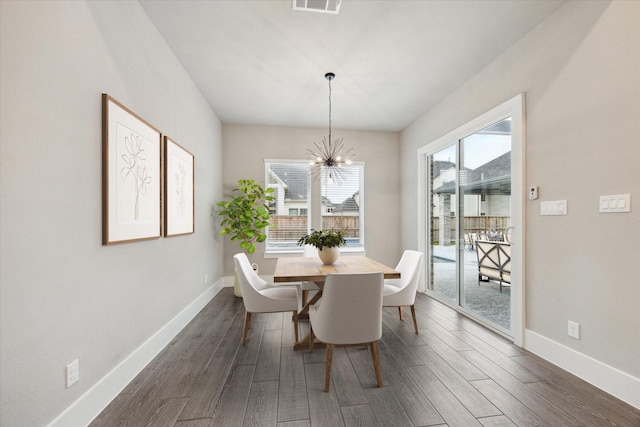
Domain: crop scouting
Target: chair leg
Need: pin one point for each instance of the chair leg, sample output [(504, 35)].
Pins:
[(310, 339), (295, 324), (415, 320), (375, 353), (327, 377), (247, 325), (400, 311)]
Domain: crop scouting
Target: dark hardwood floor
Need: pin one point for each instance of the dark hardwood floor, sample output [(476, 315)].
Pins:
[(454, 373)]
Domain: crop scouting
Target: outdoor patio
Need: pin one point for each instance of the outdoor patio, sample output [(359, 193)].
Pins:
[(485, 299)]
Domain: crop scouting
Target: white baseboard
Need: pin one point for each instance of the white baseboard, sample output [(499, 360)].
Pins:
[(227, 281), (613, 381), (91, 403)]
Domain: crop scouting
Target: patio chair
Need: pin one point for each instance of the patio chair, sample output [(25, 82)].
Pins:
[(494, 262)]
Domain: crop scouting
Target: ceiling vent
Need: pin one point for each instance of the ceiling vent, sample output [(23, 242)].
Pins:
[(325, 6)]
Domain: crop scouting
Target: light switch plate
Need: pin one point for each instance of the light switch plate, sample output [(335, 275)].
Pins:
[(615, 203), (553, 207)]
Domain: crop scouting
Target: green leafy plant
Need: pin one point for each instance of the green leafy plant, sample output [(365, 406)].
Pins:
[(324, 238), (246, 215)]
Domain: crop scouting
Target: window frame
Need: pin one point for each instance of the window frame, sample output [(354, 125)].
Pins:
[(314, 219)]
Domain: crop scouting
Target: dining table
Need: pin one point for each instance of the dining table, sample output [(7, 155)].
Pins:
[(311, 269)]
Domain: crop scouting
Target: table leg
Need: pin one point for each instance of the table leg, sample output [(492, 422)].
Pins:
[(303, 344)]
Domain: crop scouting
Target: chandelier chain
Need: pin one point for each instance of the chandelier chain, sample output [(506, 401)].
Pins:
[(329, 111)]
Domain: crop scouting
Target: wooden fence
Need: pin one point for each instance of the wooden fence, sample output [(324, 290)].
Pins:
[(289, 228), (475, 224)]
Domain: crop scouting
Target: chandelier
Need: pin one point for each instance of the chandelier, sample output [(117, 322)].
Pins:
[(329, 156)]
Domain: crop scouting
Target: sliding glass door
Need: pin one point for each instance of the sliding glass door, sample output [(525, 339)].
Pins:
[(485, 183), (470, 214), (443, 250)]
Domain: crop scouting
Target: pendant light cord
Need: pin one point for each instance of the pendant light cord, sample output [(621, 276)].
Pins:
[(329, 111)]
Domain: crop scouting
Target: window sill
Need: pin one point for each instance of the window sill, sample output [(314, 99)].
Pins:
[(298, 252)]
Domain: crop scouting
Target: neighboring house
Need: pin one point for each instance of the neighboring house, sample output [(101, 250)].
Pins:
[(290, 184), (350, 207), (487, 188)]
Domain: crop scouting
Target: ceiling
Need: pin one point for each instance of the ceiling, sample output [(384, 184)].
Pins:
[(260, 62)]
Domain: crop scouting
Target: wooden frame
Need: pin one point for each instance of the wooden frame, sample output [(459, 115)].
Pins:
[(131, 175), (178, 189)]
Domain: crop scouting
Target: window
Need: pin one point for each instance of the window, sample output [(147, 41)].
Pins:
[(339, 204), (342, 202), (290, 183)]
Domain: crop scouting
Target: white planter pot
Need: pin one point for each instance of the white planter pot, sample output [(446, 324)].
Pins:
[(329, 255)]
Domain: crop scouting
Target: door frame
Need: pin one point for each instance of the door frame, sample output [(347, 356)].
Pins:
[(514, 108)]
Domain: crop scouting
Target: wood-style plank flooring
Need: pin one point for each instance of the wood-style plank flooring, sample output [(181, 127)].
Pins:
[(454, 373)]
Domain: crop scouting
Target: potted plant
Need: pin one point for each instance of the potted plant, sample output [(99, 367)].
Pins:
[(246, 215), (328, 243)]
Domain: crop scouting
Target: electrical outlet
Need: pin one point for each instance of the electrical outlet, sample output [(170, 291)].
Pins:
[(573, 330), (73, 372)]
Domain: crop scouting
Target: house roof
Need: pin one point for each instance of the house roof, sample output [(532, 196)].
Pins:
[(294, 178), (493, 177), (441, 165), (349, 205)]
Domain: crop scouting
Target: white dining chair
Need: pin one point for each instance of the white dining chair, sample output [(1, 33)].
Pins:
[(402, 292), (262, 297), (349, 313)]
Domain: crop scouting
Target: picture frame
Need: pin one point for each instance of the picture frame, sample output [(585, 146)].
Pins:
[(179, 189), (131, 175)]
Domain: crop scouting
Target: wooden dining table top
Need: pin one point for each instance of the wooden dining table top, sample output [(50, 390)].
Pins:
[(311, 269)]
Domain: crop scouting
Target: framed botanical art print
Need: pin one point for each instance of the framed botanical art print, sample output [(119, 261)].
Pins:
[(179, 189), (131, 172)]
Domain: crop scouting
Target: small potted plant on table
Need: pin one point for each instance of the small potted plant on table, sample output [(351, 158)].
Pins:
[(328, 243)]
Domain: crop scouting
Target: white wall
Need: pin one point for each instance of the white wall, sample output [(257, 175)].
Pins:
[(246, 147), (580, 70), (63, 295)]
